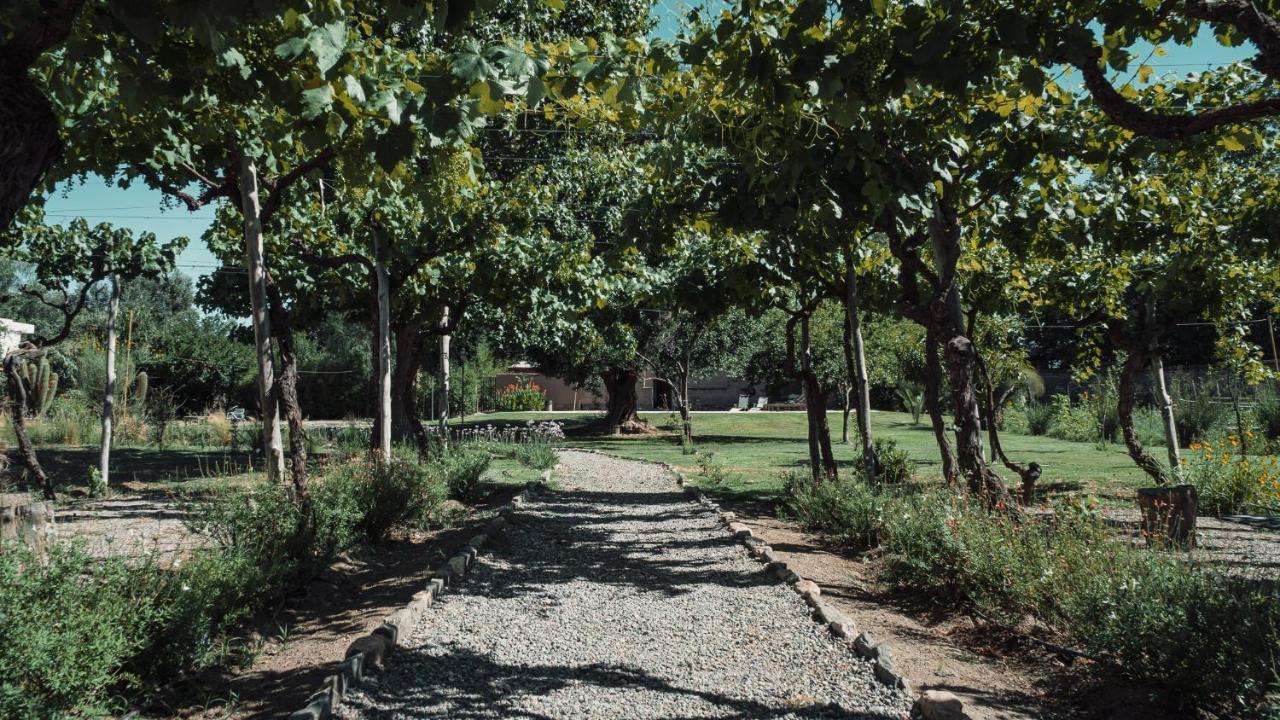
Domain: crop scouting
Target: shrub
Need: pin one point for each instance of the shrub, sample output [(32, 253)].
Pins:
[(1038, 418), (1267, 413), (709, 467), (221, 432), (1196, 417), (848, 510), (379, 496), (911, 395), (1071, 421), (68, 421), (521, 396), (463, 467), (67, 628), (1228, 482), (539, 456), (1158, 619), (895, 464)]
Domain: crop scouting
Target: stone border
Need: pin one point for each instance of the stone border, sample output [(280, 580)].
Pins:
[(370, 653), (930, 705)]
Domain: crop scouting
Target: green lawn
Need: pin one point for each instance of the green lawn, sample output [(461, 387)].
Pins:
[(755, 448)]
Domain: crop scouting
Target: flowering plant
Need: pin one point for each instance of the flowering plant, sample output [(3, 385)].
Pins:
[(1229, 481), (521, 396)]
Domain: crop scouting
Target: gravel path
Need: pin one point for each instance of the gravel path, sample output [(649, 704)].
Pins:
[(619, 598)]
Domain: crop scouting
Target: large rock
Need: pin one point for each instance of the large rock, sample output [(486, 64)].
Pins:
[(940, 705)]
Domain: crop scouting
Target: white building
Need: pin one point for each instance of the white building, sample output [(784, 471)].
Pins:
[(11, 333)]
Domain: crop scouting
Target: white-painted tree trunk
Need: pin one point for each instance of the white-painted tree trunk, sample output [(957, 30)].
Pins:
[(861, 382), (444, 372), (271, 442), (1166, 416), (384, 349), (109, 392)]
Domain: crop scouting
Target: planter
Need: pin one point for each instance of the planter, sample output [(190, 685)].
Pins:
[(547, 407), (27, 522), (1169, 514)]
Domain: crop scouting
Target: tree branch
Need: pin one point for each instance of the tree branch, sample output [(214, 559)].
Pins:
[(1166, 126), (279, 185)]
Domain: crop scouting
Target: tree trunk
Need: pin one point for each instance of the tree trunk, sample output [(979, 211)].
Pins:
[(287, 393), (816, 403), (620, 394), (384, 349), (29, 142), (109, 392), (404, 381), (250, 208), (859, 378), (444, 373), (933, 405), (1030, 473), (846, 409), (686, 422), (947, 317), (1134, 364), (18, 411), (27, 523), (1166, 416)]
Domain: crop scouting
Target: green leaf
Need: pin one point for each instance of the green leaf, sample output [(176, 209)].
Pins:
[(316, 101)]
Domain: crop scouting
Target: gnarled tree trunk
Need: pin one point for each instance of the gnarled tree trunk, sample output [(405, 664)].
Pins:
[(1134, 364), (286, 389), (405, 423), (18, 411), (622, 401), (815, 403), (933, 406)]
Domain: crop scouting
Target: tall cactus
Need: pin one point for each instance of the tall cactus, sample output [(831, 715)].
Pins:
[(51, 387), (42, 386), (140, 386)]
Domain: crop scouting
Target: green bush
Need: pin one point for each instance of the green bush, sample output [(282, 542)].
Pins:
[(1039, 417), (1160, 620), (539, 456), (379, 496), (847, 510), (1072, 421), (1196, 417), (67, 421), (463, 467), (1228, 482), (1267, 413), (521, 396), (67, 628), (896, 466)]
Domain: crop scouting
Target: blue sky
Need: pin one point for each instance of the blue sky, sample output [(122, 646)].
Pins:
[(143, 209)]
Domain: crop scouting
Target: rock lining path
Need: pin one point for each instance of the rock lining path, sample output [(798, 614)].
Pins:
[(618, 597)]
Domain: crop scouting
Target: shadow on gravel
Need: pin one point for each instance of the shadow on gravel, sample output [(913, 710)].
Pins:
[(635, 540), (463, 684)]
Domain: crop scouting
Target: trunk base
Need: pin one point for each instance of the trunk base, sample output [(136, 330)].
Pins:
[(27, 522), (1169, 514)]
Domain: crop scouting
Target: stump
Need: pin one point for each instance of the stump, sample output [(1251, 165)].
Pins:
[(27, 522), (1169, 513)]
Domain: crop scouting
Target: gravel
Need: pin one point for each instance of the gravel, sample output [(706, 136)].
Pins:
[(617, 597)]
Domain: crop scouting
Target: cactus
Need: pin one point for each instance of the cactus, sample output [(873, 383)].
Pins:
[(140, 386), (52, 391), (42, 386)]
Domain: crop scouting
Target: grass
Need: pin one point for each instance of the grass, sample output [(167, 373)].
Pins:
[(756, 448)]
